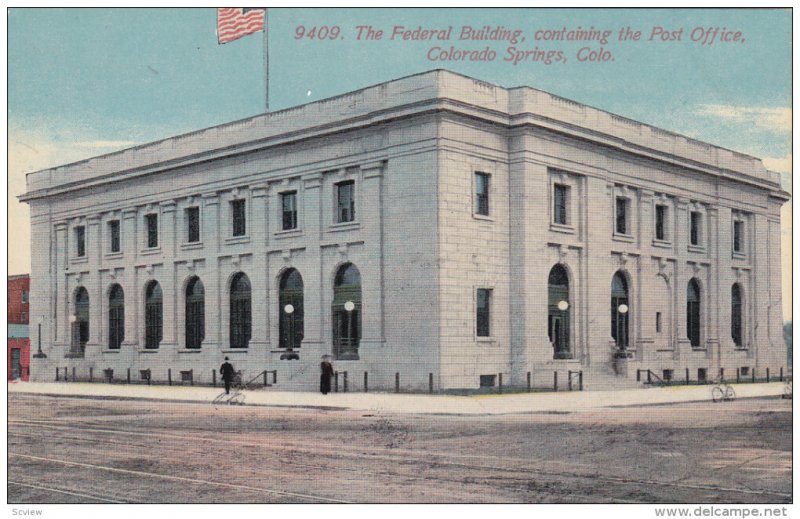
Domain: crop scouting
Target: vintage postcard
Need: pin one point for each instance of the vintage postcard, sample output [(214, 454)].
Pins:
[(362, 255)]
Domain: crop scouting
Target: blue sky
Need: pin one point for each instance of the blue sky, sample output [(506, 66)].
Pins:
[(87, 81)]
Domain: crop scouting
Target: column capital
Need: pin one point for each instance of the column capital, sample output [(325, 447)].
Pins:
[(313, 180), (167, 206), (681, 202), (129, 213), (61, 226), (210, 198), (373, 169), (259, 191)]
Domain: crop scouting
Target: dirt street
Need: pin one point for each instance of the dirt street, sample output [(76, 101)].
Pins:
[(71, 450)]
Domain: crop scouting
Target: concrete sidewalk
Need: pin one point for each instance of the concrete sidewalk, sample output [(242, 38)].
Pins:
[(406, 403)]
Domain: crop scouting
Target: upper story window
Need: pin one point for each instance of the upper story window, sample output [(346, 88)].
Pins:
[(24, 296), (345, 202), (560, 203), (113, 236), (661, 222), (289, 210), (151, 224), (80, 241), (695, 228), (239, 217), (621, 223), (482, 194), (738, 236), (483, 298), (192, 216)]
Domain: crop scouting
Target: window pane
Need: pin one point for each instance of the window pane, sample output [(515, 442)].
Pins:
[(289, 203), (345, 196), (482, 194), (193, 224), (622, 206), (695, 230), (239, 221), (113, 231), (560, 205), (152, 230), (661, 212), (80, 241), (737, 236), (483, 297)]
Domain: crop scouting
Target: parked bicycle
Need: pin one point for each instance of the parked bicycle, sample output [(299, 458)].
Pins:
[(722, 392)]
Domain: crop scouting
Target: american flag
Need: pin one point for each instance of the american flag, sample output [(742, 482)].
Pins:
[(235, 22)]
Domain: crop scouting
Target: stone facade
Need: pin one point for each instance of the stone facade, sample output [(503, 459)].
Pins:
[(412, 148)]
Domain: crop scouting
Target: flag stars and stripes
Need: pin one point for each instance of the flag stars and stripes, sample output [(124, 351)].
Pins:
[(235, 22)]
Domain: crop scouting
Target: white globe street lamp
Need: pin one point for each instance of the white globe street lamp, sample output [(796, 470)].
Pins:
[(349, 306), (623, 309), (289, 309), (563, 305)]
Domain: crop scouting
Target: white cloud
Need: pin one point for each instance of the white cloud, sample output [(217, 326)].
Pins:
[(774, 119)]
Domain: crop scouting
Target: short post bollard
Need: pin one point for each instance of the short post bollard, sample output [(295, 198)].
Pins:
[(781, 379), (335, 381), (687, 376), (430, 382), (722, 374), (57, 374), (366, 384), (397, 382), (738, 375), (555, 381), (649, 380), (129, 375), (638, 375), (529, 382), (767, 374), (73, 375), (569, 380), (500, 382), (265, 379), (91, 374), (169, 376), (580, 380), (214, 378), (344, 382), (753, 375)]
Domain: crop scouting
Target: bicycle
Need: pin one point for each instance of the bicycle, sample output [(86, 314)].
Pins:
[(722, 392)]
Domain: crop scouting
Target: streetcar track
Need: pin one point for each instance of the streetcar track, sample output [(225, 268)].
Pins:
[(67, 492), (181, 479), (430, 458)]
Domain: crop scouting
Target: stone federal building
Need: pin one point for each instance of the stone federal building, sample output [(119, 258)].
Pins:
[(435, 226)]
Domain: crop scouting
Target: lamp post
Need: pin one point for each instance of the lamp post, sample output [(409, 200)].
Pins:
[(40, 354), (349, 306), (289, 309), (623, 311)]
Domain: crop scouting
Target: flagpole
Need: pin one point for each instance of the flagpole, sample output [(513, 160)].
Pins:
[(266, 62)]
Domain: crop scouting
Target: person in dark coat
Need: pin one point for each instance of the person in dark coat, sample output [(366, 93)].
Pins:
[(226, 370), (325, 375)]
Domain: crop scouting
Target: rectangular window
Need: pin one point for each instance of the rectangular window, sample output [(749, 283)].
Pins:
[(666, 375), (345, 202), (661, 222), (696, 221), (482, 194), (80, 241), (239, 219), (622, 215), (560, 195), (483, 312), (24, 296), (113, 235), (151, 221), (192, 215), (289, 210), (738, 236), (744, 371), (702, 374), (487, 380), (658, 322)]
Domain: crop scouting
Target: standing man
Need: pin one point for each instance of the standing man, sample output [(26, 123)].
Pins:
[(325, 375), (226, 370)]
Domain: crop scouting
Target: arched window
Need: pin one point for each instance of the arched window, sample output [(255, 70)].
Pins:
[(558, 311), (619, 310), (346, 312), (195, 313), (693, 313), (116, 317), (736, 314), (240, 311), (153, 315), (290, 301), (80, 325)]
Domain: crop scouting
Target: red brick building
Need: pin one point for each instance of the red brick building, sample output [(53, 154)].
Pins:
[(19, 344)]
